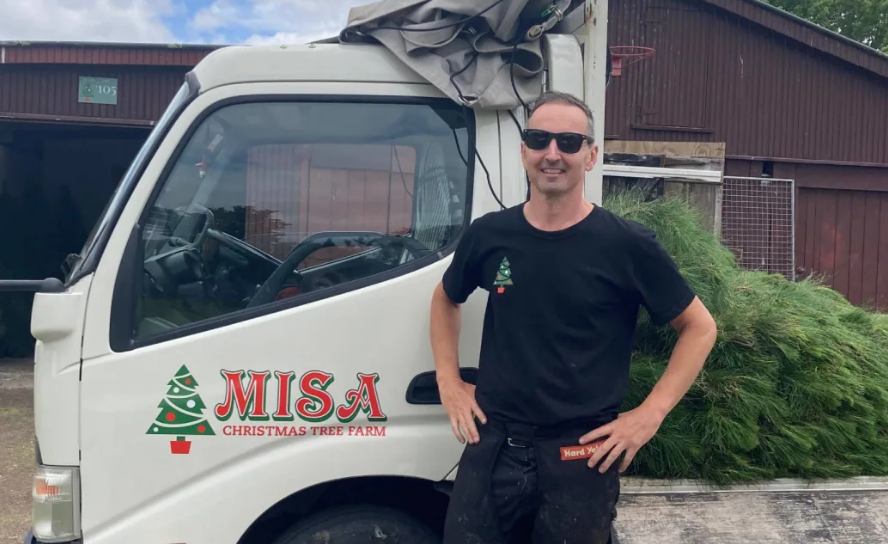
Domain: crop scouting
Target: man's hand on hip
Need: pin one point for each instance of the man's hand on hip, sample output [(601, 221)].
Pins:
[(458, 398), (627, 434)]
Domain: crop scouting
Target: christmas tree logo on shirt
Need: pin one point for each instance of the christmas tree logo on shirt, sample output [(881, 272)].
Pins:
[(181, 412), (503, 276)]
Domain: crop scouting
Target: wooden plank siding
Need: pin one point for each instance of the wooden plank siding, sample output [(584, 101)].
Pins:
[(841, 225), (842, 236), (718, 76), (49, 93)]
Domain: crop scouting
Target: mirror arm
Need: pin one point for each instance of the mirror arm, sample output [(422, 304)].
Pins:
[(49, 285)]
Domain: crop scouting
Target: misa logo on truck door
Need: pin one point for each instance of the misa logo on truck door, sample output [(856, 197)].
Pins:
[(182, 409)]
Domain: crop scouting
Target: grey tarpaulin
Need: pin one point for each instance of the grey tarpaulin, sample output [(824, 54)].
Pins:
[(472, 42)]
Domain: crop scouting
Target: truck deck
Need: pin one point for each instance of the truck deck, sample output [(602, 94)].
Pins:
[(781, 512)]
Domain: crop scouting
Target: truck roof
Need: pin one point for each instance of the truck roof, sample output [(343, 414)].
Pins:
[(356, 63)]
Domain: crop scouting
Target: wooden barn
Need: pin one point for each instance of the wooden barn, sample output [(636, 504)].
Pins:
[(797, 113)]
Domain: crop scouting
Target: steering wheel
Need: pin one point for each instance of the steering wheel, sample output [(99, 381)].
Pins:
[(184, 263), (268, 290)]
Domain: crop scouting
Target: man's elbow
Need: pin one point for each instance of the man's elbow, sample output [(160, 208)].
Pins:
[(697, 321), (441, 301)]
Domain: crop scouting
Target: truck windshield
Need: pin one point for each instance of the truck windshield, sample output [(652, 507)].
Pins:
[(273, 199), (101, 229)]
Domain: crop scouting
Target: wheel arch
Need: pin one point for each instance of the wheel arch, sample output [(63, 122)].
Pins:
[(423, 499)]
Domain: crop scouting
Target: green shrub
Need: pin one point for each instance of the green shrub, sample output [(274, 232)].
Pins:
[(796, 385)]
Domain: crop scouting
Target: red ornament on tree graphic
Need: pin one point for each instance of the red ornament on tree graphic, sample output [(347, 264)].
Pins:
[(181, 413)]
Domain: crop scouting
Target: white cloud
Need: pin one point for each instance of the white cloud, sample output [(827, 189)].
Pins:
[(164, 21), (289, 38), (219, 14), (276, 21), (87, 20)]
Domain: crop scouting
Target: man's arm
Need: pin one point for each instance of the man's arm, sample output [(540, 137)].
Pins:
[(697, 334), (445, 325), (457, 396)]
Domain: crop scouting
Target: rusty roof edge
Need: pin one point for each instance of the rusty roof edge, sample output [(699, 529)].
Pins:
[(112, 45), (823, 30), (810, 25)]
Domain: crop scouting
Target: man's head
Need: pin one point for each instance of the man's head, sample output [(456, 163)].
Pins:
[(556, 165)]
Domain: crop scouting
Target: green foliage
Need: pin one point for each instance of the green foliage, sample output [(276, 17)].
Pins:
[(796, 385), (865, 21)]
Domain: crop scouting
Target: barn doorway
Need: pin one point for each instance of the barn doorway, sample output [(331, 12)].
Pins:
[(54, 182)]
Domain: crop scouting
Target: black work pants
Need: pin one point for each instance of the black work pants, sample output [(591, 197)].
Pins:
[(517, 487)]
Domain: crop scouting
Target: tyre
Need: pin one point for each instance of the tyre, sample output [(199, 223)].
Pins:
[(359, 524)]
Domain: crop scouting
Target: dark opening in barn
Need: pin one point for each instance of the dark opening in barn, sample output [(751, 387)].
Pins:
[(72, 118), (54, 181)]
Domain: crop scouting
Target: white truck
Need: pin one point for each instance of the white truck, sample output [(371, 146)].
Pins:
[(240, 353)]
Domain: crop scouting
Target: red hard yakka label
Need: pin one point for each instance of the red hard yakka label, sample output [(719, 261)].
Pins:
[(585, 451)]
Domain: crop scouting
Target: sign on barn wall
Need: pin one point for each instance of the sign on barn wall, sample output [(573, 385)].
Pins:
[(97, 90)]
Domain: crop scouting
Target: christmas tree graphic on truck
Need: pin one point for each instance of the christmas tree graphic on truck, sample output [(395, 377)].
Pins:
[(503, 276), (181, 412)]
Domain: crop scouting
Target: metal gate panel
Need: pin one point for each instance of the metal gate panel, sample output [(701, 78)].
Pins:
[(758, 223)]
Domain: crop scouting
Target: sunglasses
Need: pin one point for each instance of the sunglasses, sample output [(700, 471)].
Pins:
[(568, 142)]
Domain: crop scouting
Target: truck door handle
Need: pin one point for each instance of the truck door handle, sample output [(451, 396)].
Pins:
[(423, 388)]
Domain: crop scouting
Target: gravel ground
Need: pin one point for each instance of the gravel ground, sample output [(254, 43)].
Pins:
[(16, 449)]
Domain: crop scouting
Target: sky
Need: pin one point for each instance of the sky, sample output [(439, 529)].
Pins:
[(220, 22)]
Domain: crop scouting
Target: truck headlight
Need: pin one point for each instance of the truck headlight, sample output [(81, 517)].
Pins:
[(56, 502)]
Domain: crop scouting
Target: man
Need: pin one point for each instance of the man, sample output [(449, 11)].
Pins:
[(566, 280)]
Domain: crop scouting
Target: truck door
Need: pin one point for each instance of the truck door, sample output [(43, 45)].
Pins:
[(262, 306)]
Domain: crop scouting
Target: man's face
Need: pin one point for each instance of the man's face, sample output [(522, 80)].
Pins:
[(553, 172)]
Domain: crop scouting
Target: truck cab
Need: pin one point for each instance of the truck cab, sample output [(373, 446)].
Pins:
[(240, 353)]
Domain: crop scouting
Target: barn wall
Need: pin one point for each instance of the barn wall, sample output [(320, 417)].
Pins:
[(843, 236), (42, 92), (716, 77)]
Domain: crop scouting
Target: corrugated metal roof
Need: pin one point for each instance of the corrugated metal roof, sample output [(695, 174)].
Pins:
[(122, 54), (806, 32)]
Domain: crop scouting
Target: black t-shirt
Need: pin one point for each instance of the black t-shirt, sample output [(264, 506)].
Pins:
[(561, 311)]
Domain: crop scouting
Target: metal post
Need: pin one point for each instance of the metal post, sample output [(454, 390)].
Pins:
[(595, 64)]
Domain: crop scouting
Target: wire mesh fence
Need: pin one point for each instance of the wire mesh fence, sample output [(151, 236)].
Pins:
[(758, 223)]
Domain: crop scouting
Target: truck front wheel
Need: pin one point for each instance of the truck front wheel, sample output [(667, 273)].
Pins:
[(359, 524)]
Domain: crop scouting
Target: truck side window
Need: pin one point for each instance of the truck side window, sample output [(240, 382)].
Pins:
[(270, 203)]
